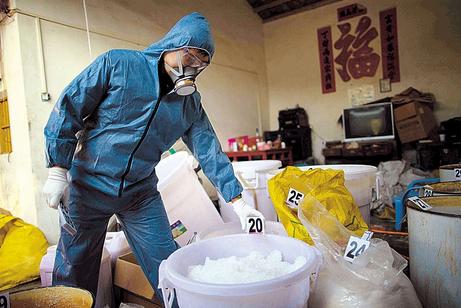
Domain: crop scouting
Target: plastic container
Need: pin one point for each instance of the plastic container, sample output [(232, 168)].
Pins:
[(290, 290), (253, 177), (434, 238), (104, 293), (117, 245), (187, 204), (51, 297), (450, 172), (360, 180), (235, 227)]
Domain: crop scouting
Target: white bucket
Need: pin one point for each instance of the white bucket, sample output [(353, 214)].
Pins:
[(290, 290), (360, 180), (104, 293), (117, 245), (253, 177), (450, 173), (235, 227), (185, 200)]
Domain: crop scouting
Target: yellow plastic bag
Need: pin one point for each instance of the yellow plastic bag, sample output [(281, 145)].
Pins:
[(22, 247), (324, 186)]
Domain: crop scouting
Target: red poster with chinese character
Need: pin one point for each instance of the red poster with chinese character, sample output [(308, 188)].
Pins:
[(356, 58), (327, 72), (389, 44)]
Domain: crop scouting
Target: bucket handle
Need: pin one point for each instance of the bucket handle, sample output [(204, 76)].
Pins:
[(244, 182), (379, 180), (168, 292), (317, 269)]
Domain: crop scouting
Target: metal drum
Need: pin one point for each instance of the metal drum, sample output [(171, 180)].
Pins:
[(442, 188), (435, 251)]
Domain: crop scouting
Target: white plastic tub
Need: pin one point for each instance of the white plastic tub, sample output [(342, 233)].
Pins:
[(235, 227), (253, 177), (290, 290), (449, 173), (184, 198)]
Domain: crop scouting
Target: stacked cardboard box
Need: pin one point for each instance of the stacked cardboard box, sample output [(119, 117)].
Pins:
[(413, 115)]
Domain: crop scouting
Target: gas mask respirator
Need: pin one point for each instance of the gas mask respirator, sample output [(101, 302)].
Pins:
[(183, 76)]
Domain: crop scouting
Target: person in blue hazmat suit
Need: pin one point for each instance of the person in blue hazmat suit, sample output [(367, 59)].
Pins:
[(105, 136)]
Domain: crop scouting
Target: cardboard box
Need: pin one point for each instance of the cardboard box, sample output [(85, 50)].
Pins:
[(128, 297), (414, 121), (134, 284)]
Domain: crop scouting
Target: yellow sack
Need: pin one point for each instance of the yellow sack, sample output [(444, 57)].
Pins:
[(324, 186), (22, 247)]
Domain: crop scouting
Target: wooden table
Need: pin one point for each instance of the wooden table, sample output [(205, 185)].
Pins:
[(284, 155)]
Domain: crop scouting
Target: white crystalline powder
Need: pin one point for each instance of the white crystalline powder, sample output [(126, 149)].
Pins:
[(253, 268)]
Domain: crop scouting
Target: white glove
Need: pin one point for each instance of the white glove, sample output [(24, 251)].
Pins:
[(243, 210), (55, 186)]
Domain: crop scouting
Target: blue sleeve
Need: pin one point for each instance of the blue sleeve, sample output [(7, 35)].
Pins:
[(202, 141), (78, 100)]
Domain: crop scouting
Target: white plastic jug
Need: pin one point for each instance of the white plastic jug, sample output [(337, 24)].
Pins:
[(235, 227), (290, 290), (188, 206), (104, 293), (252, 176)]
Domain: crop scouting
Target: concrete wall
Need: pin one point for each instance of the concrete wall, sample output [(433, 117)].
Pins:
[(429, 48), (233, 87)]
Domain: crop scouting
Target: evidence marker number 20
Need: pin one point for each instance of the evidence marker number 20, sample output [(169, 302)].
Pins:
[(255, 225)]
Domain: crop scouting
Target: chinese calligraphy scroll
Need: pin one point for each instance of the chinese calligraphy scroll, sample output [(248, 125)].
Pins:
[(326, 60), (389, 44)]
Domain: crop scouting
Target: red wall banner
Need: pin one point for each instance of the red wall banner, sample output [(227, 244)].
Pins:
[(326, 60), (389, 44)]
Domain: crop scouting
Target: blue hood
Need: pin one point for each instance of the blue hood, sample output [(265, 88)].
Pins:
[(192, 30)]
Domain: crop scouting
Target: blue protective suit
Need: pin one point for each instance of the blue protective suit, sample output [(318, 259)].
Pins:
[(109, 128)]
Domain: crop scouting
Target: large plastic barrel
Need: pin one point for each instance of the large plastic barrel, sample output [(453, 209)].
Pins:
[(435, 251), (188, 206), (290, 290)]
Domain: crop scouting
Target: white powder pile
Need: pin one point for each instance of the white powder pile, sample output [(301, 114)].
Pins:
[(253, 268)]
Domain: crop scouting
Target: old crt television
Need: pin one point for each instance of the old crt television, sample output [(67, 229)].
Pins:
[(369, 122)]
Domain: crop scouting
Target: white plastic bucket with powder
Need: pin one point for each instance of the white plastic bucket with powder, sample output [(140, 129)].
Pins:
[(289, 290)]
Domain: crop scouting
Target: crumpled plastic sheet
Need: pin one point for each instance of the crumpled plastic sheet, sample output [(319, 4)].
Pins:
[(374, 279)]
